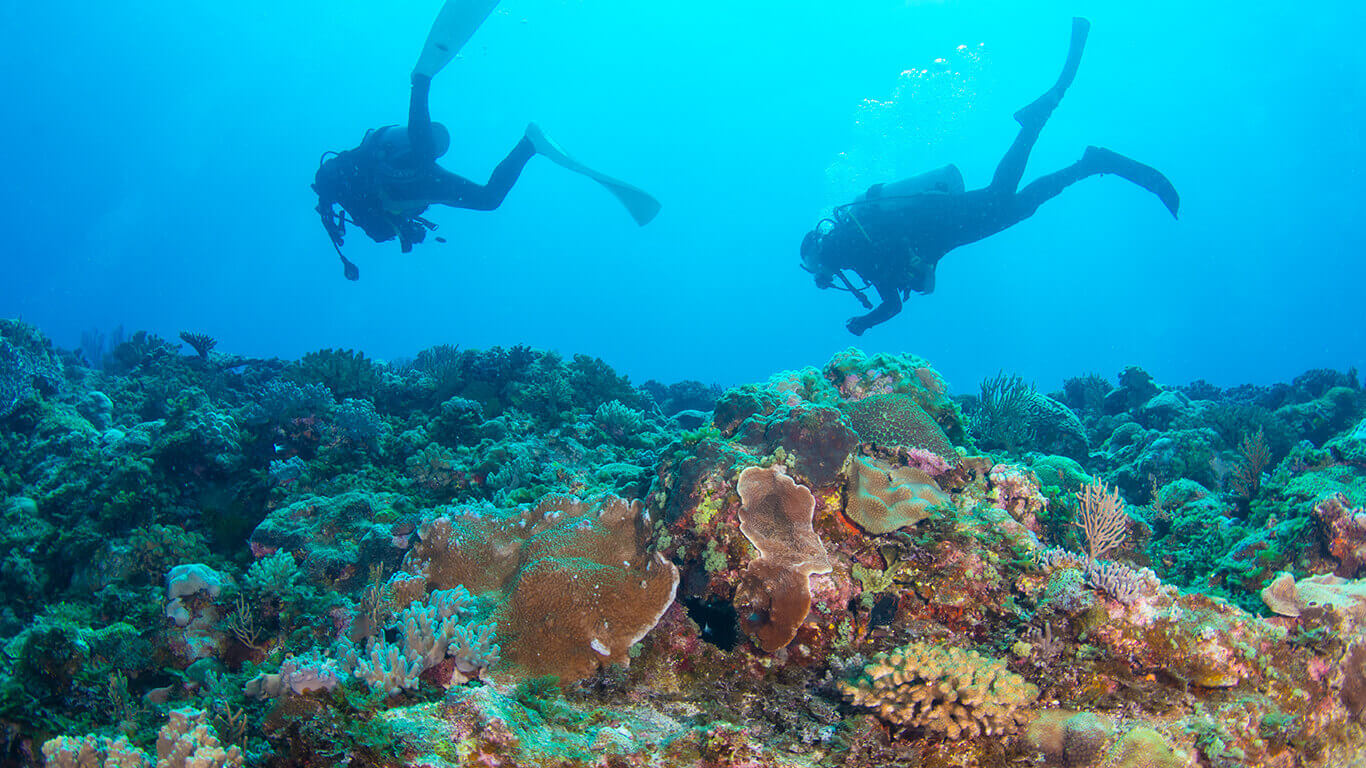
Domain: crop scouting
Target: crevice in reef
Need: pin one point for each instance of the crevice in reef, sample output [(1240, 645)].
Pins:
[(717, 618)]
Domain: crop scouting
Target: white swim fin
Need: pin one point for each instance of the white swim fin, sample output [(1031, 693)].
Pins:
[(639, 203), (455, 24)]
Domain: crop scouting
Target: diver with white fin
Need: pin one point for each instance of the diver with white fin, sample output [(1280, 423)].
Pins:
[(894, 235), (385, 185)]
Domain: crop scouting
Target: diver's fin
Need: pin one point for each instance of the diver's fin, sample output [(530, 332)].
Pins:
[(642, 207), (1039, 110), (455, 24), (1101, 160)]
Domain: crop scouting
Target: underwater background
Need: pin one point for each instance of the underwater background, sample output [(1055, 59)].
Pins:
[(160, 162), (565, 492)]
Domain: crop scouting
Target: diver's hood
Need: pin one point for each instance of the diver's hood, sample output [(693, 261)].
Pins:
[(811, 251)]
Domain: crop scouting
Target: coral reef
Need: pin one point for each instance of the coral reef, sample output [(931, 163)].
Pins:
[(511, 558)]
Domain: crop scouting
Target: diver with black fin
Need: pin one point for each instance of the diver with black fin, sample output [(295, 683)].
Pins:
[(894, 235), (385, 185)]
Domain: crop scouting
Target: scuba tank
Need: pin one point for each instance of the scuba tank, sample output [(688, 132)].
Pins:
[(883, 197)]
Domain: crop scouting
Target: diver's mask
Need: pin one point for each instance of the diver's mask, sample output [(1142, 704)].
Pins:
[(813, 245)]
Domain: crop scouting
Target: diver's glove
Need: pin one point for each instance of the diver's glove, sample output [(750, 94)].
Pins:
[(856, 325)]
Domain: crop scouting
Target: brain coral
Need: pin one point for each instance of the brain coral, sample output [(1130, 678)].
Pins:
[(774, 594), (895, 419), (955, 692), (883, 498), (575, 581)]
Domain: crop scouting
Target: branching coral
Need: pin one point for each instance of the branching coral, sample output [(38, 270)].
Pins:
[(774, 594), (947, 690)]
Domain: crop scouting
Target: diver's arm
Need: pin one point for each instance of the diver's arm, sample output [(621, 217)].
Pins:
[(333, 221), (890, 306), (420, 120)]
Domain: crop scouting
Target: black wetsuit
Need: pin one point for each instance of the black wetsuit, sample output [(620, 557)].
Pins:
[(895, 244), (387, 182)]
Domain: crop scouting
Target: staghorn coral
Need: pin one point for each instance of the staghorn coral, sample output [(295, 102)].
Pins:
[(774, 594), (576, 583), (947, 690), (894, 419), (883, 498)]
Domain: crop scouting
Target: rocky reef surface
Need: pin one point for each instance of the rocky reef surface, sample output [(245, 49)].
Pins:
[(509, 558)]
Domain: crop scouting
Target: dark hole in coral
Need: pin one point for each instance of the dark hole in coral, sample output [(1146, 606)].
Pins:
[(884, 611), (717, 620)]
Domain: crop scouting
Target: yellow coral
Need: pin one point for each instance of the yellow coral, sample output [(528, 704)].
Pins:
[(948, 690)]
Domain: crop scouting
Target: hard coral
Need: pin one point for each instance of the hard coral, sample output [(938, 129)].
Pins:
[(898, 420), (883, 498), (1345, 529), (774, 595), (576, 582), (948, 690)]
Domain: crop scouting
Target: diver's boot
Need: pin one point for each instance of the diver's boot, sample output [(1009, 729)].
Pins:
[(542, 143), (1037, 112), (1100, 160)]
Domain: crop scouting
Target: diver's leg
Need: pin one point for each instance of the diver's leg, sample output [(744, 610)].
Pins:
[(420, 120), (442, 187), (1012, 166), (491, 195), (1037, 112), (1032, 118)]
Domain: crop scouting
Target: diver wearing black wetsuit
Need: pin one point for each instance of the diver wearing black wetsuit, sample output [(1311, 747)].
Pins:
[(387, 182), (895, 241)]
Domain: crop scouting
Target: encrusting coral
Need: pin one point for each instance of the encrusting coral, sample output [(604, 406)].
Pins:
[(575, 581), (947, 690), (883, 498), (894, 419)]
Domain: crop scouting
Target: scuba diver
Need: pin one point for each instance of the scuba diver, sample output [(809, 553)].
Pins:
[(894, 235), (385, 185)]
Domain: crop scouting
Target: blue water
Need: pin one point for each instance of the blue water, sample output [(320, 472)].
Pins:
[(159, 156)]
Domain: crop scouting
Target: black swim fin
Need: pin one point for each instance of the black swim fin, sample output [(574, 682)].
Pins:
[(1039, 110), (1101, 160)]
